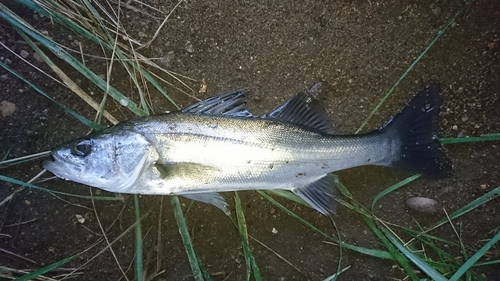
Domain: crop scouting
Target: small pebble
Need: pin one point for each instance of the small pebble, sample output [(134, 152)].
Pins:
[(24, 54), (7, 108), (124, 102), (422, 204), (168, 59), (189, 47), (80, 219)]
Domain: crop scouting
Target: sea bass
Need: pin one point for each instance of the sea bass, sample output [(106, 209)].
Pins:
[(217, 145)]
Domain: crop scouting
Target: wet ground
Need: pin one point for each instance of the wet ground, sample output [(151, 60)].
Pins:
[(275, 50)]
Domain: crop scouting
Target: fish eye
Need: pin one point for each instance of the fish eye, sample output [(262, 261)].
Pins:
[(82, 148)]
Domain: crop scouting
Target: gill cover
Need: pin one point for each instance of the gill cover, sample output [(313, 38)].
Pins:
[(110, 159)]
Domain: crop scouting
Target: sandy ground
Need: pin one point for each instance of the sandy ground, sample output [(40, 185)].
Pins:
[(275, 50)]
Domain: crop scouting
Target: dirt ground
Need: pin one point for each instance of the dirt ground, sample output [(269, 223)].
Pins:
[(274, 49)]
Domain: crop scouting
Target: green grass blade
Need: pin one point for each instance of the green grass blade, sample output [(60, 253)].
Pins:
[(486, 263), (410, 68), (250, 261), (45, 269), (71, 112), (402, 260), (17, 22), (108, 45), (116, 49), (446, 263), (25, 184), (486, 137), (66, 80), (186, 240), (362, 250), (158, 87), (367, 217), (290, 196), (428, 239), (336, 275), (392, 188), (474, 258), (138, 240), (58, 18), (471, 206), (431, 272)]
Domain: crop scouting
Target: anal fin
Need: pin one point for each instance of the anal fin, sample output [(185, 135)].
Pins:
[(320, 194), (213, 198)]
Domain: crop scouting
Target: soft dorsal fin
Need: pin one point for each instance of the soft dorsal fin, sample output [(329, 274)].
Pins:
[(303, 110), (229, 104)]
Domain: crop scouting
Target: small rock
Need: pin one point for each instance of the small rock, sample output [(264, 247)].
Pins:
[(124, 102), (422, 204), (24, 54), (168, 59), (203, 86), (189, 47), (80, 219), (7, 108)]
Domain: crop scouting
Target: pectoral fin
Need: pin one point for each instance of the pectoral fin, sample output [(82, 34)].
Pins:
[(320, 194), (193, 174), (186, 170), (213, 198)]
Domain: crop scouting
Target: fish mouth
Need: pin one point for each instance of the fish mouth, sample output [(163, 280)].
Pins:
[(57, 166)]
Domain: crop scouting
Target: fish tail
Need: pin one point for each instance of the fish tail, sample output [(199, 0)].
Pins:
[(414, 133)]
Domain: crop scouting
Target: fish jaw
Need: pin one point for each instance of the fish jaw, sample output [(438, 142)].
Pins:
[(72, 173)]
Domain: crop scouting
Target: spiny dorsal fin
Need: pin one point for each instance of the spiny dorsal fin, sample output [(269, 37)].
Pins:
[(303, 110), (229, 104)]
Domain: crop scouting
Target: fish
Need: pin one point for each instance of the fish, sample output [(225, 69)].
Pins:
[(218, 145)]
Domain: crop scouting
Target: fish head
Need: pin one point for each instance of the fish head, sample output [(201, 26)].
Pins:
[(109, 160)]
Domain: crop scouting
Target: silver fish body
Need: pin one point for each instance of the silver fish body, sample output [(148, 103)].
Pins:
[(216, 145)]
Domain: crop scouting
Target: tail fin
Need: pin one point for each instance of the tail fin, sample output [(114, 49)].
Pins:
[(415, 128)]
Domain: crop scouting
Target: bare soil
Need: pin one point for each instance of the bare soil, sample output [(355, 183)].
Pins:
[(275, 50)]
